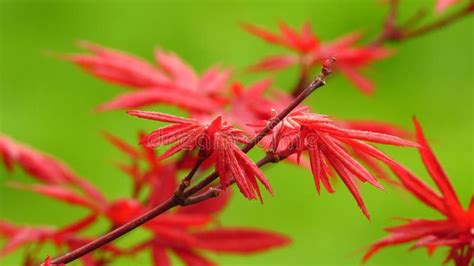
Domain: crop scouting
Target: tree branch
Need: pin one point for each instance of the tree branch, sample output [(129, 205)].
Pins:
[(183, 199), (214, 192)]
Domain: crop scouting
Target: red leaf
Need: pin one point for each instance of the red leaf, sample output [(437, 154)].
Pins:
[(123, 210), (311, 52), (122, 145), (366, 86), (345, 41), (118, 68), (442, 5), (437, 173), (391, 240), (233, 163), (23, 236), (378, 127), (214, 80), (240, 240), (290, 37), (180, 220), (275, 62), (162, 117), (7, 229), (47, 261), (346, 178), (187, 100), (44, 167), (77, 226), (163, 184), (419, 188), (159, 256), (261, 33), (308, 39), (191, 258), (61, 194), (175, 67), (173, 237)]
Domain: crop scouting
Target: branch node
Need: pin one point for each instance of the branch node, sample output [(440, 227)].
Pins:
[(179, 198), (215, 191)]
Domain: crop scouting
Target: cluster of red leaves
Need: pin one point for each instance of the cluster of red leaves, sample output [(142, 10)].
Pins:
[(208, 132), (216, 137), (212, 135), (171, 81), (455, 230), (309, 52), (218, 105), (328, 146), (187, 231), (56, 179)]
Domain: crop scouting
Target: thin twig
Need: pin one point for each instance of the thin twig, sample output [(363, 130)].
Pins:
[(469, 9), (187, 180), (182, 199), (393, 33)]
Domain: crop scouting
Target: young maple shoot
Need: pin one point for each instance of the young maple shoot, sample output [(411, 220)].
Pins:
[(224, 120)]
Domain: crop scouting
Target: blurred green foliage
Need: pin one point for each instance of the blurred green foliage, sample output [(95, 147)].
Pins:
[(47, 103)]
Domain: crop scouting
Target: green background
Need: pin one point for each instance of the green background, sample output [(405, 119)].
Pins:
[(47, 104)]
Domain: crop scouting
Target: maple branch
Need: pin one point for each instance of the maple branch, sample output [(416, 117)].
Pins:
[(393, 33), (183, 199), (214, 192)]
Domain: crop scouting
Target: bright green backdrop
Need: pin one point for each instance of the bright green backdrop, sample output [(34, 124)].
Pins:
[(47, 103)]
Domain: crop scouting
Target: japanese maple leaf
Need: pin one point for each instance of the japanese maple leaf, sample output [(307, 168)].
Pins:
[(309, 51), (58, 180), (20, 236), (210, 137), (328, 144), (377, 127), (247, 102), (442, 5), (145, 169), (278, 102), (454, 230), (190, 247), (171, 81), (236, 240), (186, 232)]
